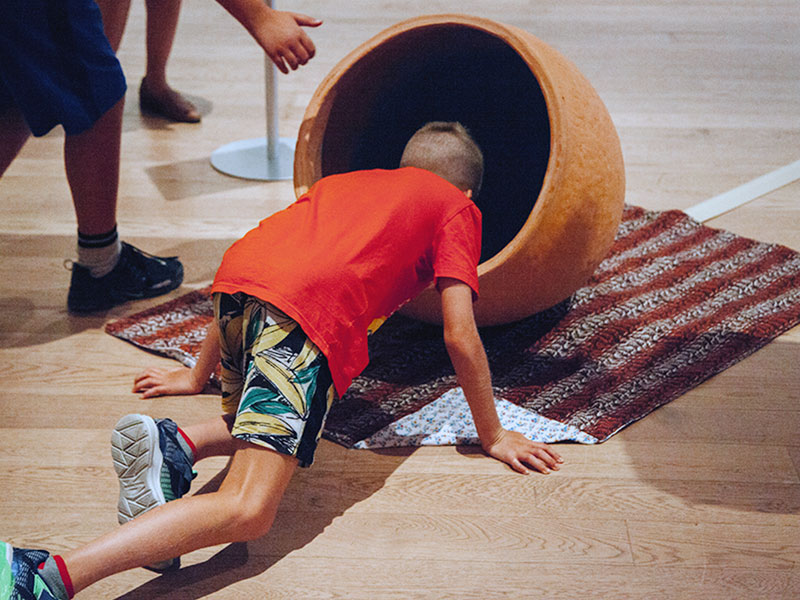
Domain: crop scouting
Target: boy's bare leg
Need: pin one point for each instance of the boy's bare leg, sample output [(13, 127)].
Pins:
[(115, 17), (91, 159), (14, 133), (162, 22), (213, 437), (107, 131), (242, 509), (156, 94)]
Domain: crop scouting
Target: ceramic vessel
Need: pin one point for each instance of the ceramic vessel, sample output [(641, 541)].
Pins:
[(554, 181)]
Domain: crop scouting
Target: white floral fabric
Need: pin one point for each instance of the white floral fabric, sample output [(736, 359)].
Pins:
[(448, 421)]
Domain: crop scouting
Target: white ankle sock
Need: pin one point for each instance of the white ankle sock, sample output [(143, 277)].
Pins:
[(99, 253)]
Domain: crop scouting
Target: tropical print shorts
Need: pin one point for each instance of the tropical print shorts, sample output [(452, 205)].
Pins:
[(274, 378)]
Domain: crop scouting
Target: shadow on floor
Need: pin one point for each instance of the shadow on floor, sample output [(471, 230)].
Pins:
[(191, 178), (134, 119), (323, 493), (746, 419), (33, 307)]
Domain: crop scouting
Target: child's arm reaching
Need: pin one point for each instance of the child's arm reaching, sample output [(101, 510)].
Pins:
[(472, 369), (182, 381), (278, 32)]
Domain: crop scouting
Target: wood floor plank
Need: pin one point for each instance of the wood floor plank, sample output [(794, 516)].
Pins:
[(723, 424), (227, 575), (324, 534), (698, 544), (668, 501), (762, 380)]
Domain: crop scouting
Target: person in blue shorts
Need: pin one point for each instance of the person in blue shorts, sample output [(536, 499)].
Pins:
[(57, 67)]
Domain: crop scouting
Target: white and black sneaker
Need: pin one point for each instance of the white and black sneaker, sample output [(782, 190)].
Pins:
[(154, 466), (137, 275)]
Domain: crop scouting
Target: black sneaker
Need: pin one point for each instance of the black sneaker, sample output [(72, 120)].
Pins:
[(137, 275)]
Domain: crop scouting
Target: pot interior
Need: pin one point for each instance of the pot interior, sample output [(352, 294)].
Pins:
[(446, 72)]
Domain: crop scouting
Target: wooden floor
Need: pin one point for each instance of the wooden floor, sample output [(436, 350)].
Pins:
[(699, 500)]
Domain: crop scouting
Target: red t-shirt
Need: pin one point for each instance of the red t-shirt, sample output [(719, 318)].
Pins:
[(354, 248)]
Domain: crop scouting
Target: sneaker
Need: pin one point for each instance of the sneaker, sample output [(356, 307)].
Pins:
[(19, 574), (152, 468), (137, 275)]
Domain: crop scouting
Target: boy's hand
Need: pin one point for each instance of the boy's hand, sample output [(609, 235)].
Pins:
[(167, 382), (516, 450), (283, 39)]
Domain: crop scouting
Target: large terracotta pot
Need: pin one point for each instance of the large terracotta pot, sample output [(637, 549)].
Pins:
[(554, 181)]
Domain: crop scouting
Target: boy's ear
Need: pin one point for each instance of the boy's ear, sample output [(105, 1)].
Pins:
[(468, 194)]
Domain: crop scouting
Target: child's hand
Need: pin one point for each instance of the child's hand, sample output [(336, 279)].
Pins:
[(518, 451), (284, 40), (166, 382)]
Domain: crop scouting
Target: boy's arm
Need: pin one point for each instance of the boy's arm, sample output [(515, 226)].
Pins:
[(182, 380), (279, 33), (472, 369)]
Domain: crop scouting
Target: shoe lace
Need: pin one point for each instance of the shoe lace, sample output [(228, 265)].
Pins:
[(138, 260), (136, 265), (146, 254)]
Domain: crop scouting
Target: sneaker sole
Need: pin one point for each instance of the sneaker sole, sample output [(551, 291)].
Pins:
[(137, 461)]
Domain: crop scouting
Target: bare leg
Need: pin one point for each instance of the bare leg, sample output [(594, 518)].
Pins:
[(213, 437), (115, 16), (162, 22), (156, 93), (91, 159), (242, 509), (14, 133)]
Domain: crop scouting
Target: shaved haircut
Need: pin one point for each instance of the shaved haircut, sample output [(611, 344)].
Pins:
[(447, 149)]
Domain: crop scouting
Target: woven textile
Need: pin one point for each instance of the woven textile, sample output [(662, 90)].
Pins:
[(674, 303), (175, 329)]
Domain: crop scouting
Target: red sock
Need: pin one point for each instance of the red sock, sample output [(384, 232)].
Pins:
[(189, 442), (63, 573)]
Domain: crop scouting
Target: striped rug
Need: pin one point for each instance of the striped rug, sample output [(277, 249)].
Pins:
[(673, 304)]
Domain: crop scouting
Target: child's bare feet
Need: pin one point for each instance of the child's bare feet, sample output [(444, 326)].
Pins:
[(167, 102)]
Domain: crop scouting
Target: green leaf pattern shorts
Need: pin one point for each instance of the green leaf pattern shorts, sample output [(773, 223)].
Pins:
[(273, 377)]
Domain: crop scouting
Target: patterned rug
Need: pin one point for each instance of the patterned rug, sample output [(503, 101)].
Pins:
[(673, 304)]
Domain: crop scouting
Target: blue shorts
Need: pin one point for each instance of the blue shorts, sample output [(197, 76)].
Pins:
[(274, 379), (56, 65)]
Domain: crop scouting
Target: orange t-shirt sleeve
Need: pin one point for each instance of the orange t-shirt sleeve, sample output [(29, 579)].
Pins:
[(457, 248)]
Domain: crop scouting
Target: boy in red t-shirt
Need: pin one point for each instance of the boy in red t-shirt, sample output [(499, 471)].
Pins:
[(294, 300)]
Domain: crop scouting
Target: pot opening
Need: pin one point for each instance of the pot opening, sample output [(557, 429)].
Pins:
[(447, 72)]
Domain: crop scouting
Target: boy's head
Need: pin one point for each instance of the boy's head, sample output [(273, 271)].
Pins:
[(447, 149)]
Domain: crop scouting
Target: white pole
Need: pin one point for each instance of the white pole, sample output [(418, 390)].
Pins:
[(271, 95), (272, 110), (266, 159)]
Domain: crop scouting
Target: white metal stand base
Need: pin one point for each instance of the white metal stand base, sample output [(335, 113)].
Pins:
[(264, 159), (249, 159)]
